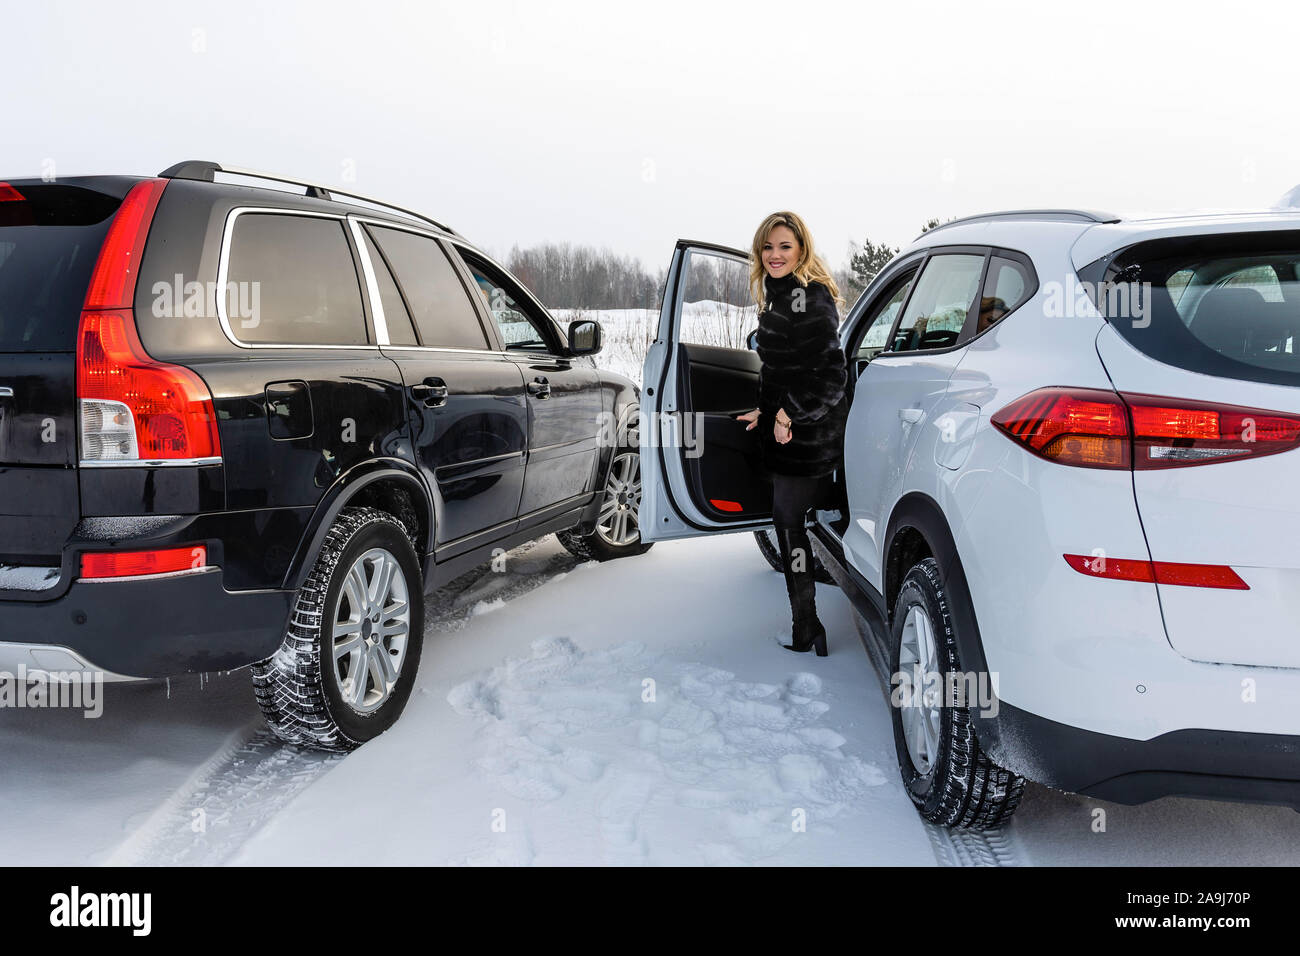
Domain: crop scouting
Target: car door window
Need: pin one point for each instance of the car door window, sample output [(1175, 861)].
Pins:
[(875, 335), (937, 311), (431, 289), (1006, 287), (291, 280), (517, 321), (401, 328), (717, 303)]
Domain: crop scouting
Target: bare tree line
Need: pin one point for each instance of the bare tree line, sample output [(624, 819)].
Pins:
[(568, 276)]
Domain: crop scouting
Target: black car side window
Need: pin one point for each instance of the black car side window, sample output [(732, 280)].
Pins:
[(431, 288), (291, 280), (517, 322), (401, 328)]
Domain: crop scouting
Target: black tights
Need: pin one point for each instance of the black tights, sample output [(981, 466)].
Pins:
[(793, 496)]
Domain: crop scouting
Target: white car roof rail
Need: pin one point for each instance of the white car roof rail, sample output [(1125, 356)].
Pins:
[(204, 171), (1035, 215)]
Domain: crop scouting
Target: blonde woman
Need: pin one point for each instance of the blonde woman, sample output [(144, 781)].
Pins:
[(802, 403)]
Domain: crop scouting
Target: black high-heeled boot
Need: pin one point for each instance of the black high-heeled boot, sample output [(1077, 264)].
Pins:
[(807, 632)]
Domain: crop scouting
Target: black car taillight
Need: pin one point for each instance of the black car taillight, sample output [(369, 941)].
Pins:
[(133, 407)]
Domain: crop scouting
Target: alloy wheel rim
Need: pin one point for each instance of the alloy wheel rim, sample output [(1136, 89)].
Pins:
[(617, 523), (370, 631), (918, 659)]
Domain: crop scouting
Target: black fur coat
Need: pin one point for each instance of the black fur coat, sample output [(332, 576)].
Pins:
[(804, 373)]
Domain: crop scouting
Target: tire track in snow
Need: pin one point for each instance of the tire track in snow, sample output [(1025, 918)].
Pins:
[(973, 847), (232, 795), (483, 590), (225, 802), (951, 847)]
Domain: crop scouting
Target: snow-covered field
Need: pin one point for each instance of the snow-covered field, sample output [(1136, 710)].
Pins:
[(636, 712), (627, 333), (625, 336)]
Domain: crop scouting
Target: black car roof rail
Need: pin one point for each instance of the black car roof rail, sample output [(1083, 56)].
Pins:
[(1036, 215), (204, 171)]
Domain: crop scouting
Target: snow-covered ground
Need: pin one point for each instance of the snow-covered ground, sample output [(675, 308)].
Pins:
[(636, 712), (625, 336), (627, 333)]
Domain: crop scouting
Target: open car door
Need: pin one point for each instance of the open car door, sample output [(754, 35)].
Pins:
[(700, 467)]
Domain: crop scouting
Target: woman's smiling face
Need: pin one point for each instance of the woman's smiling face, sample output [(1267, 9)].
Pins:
[(780, 252)]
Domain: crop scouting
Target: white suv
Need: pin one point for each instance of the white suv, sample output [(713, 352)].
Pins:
[(1070, 514)]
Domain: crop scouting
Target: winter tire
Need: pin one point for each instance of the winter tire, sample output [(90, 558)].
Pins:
[(948, 777), (349, 658)]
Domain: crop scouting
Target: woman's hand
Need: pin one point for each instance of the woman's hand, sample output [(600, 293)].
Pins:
[(751, 417), (781, 428)]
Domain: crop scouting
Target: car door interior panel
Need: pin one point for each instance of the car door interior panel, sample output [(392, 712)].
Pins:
[(727, 480)]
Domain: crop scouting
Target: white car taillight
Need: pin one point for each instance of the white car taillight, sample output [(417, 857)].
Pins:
[(1094, 428)]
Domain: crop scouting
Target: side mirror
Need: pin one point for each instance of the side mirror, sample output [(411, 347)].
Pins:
[(584, 337), (751, 341)]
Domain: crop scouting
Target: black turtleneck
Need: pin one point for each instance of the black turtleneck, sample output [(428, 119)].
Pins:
[(782, 286)]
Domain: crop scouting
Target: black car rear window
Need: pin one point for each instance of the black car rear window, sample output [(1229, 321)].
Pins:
[(49, 241), (1225, 305)]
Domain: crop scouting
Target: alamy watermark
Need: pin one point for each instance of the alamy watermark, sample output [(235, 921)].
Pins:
[(78, 908), (179, 299), (1075, 298), (664, 430), (40, 689), (976, 691)]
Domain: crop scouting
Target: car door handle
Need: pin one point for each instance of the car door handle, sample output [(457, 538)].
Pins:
[(911, 415), (540, 387), (432, 392)]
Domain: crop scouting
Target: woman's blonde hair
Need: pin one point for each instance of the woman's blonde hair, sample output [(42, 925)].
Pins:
[(809, 268)]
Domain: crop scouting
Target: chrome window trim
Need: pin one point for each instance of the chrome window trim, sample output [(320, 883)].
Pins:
[(442, 348), (371, 281), (151, 463), (428, 234), (460, 243), (223, 276), (353, 222)]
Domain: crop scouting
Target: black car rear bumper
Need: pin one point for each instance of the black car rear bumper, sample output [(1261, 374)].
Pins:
[(147, 627)]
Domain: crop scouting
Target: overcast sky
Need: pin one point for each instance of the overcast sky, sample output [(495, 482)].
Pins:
[(630, 125)]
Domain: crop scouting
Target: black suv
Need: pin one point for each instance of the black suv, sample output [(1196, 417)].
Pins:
[(243, 425)]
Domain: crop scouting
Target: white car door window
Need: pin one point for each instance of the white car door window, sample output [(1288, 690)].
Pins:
[(937, 311)]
